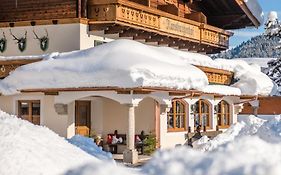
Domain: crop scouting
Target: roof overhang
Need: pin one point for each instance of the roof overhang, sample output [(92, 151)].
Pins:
[(232, 14)]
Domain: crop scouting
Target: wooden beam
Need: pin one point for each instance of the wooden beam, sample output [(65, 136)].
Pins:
[(128, 33), (142, 35), (54, 93), (116, 29)]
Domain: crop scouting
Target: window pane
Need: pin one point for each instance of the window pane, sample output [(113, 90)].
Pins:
[(180, 121), (219, 119), (24, 108), (219, 108), (170, 121), (226, 120), (197, 120), (196, 107), (205, 108), (205, 120), (35, 108)]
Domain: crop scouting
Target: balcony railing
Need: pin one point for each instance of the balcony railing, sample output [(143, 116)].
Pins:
[(151, 19)]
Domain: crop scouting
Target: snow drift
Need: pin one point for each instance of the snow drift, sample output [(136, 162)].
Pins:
[(88, 145), (249, 147), (126, 64), (29, 149)]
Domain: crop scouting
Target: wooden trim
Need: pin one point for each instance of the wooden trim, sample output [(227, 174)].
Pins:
[(221, 114), (30, 115), (248, 12), (45, 22), (88, 120), (20, 61), (157, 124), (200, 113), (175, 114)]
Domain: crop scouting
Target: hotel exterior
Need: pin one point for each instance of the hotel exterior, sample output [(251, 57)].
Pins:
[(42, 27)]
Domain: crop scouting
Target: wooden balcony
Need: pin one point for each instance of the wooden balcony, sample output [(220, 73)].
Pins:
[(7, 66), (130, 19), (217, 76)]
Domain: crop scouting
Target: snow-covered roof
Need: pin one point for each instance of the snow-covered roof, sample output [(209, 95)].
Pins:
[(255, 9), (130, 64)]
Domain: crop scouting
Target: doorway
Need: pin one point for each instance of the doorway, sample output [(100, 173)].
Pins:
[(83, 117)]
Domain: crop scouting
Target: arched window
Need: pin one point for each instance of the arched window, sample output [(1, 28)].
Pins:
[(176, 117), (223, 114), (201, 112)]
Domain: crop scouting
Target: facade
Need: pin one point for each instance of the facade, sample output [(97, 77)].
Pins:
[(169, 114), (56, 26), (264, 107)]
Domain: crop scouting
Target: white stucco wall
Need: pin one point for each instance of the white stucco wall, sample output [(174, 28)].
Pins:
[(57, 123), (6, 104), (62, 38), (171, 139)]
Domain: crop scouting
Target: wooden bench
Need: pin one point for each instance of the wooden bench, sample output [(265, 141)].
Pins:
[(113, 148)]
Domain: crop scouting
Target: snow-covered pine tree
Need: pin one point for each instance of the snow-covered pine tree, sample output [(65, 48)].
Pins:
[(273, 29), (273, 25)]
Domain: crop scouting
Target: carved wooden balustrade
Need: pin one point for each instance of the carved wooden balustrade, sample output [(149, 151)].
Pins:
[(7, 66), (217, 76), (110, 14)]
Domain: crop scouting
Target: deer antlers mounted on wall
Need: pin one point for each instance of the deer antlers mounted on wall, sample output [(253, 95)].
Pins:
[(44, 40), (20, 41), (3, 43)]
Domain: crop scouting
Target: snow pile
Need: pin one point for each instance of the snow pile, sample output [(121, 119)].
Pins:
[(252, 146), (88, 145), (248, 155), (105, 169), (139, 65), (248, 126), (29, 149), (270, 131)]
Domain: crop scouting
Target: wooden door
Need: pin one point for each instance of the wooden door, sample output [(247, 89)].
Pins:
[(83, 117)]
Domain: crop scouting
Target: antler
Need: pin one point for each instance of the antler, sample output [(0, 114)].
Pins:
[(15, 38), (25, 35), (47, 33), (36, 35)]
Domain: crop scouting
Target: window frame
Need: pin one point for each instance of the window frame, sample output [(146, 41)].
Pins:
[(220, 114), (30, 116), (200, 113), (174, 116)]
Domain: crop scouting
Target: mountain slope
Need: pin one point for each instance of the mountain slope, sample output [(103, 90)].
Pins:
[(259, 47)]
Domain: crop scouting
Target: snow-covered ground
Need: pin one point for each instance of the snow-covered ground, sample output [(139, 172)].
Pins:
[(26, 149), (252, 146)]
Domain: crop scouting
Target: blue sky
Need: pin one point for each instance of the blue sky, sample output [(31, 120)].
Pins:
[(245, 34)]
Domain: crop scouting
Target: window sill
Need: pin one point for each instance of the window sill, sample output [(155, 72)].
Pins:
[(177, 130)]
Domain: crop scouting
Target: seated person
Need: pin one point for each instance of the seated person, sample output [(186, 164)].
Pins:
[(114, 139)]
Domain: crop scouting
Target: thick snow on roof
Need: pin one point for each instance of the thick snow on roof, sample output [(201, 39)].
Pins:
[(262, 62), (126, 64), (256, 9), (10, 58)]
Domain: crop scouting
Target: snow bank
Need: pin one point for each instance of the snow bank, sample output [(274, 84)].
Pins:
[(88, 145), (29, 149), (105, 169), (139, 65), (248, 155), (248, 126), (249, 147), (270, 131)]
